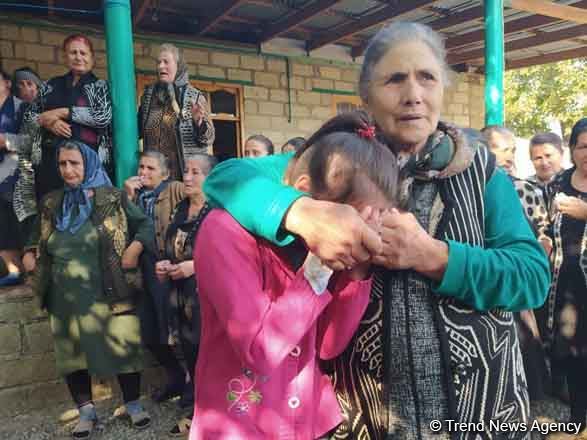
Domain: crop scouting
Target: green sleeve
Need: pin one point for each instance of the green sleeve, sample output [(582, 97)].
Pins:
[(512, 271), (140, 227), (253, 192)]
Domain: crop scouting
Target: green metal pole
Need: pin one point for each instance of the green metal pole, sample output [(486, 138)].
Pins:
[(121, 73), (494, 62)]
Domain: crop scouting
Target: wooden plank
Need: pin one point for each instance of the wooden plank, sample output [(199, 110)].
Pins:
[(216, 14), (524, 43), (368, 21), (547, 58), (550, 9), (510, 27), (470, 14), (296, 19), (144, 5)]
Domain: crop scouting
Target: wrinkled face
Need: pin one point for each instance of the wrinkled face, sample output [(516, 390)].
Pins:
[(546, 160), (255, 149), (71, 167), (166, 67), (5, 85), (405, 94), (193, 177), (27, 90), (579, 155), (150, 172), (79, 57), (504, 150)]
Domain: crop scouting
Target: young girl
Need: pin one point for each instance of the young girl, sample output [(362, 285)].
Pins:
[(269, 314)]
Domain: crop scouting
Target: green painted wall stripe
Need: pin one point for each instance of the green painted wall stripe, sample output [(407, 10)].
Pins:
[(334, 91)]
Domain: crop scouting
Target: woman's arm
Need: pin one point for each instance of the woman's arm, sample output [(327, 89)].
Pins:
[(512, 272), (340, 320), (203, 127), (99, 112), (263, 329), (140, 227)]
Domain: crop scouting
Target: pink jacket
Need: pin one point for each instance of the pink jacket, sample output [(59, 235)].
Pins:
[(263, 328)]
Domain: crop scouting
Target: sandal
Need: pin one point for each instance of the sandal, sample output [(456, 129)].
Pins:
[(181, 428), (139, 418), (83, 429)]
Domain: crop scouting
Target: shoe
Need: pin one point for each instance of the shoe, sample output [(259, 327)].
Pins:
[(181, 428), (187, 397), (87, 422), (139, 418), (11, 279), (171, 391)]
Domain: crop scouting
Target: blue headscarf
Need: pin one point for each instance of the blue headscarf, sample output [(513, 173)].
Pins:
[(77, 204)]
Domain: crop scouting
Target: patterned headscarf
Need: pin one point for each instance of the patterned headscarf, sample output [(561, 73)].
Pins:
[(77, 204)]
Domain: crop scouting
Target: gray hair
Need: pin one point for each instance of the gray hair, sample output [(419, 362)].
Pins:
[(208, 161), (161, 158), (393, 34), (168, 47)]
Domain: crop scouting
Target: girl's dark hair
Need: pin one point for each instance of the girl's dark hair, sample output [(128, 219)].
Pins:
[(579, 128), (366, 155), (263, 140), (296, 142)]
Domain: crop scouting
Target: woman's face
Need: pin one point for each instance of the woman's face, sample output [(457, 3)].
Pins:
[(71, 167), (546, 160), (580, 153), (150, 172), (255, 149), (405, 94), (166, 67), (27, 90), (4, 86), (79, 57), (193, 177)]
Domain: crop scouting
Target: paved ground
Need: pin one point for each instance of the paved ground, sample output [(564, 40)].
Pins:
[(57, 423)]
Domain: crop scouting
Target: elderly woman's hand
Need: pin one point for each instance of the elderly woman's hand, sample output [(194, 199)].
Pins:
[(130, 257), (333, 232), (29, 261), (61, 128), (182, 270), (406, 245), (198, 113), (573, 207), (49, 117)]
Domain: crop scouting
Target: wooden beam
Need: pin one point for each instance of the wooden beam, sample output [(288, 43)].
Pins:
[(470, 14), (297, 18), (550, 9), (144, 5), (510, 27), (548, 58), (216, 14), (366, 22), (524, 43)]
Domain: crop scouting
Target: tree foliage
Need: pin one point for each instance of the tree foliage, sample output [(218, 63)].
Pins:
[(536, 95)]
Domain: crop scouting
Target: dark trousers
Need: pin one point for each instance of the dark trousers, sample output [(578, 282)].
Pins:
[(80, 386), (576, 368)]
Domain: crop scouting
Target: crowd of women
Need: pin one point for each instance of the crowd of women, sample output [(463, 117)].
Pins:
[(380, 277)]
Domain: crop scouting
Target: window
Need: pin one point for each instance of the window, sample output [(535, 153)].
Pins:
[(225, 104), (345, 103)]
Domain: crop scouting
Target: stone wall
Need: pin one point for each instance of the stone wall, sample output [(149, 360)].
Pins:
[(28, 377), (263, 78)]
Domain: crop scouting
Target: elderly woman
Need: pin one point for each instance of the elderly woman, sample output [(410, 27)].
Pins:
[(566, 308), (175, 269), (438, 339), (74, 106), (173, 115), (88, 242), (26, 84), (156, 195)]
